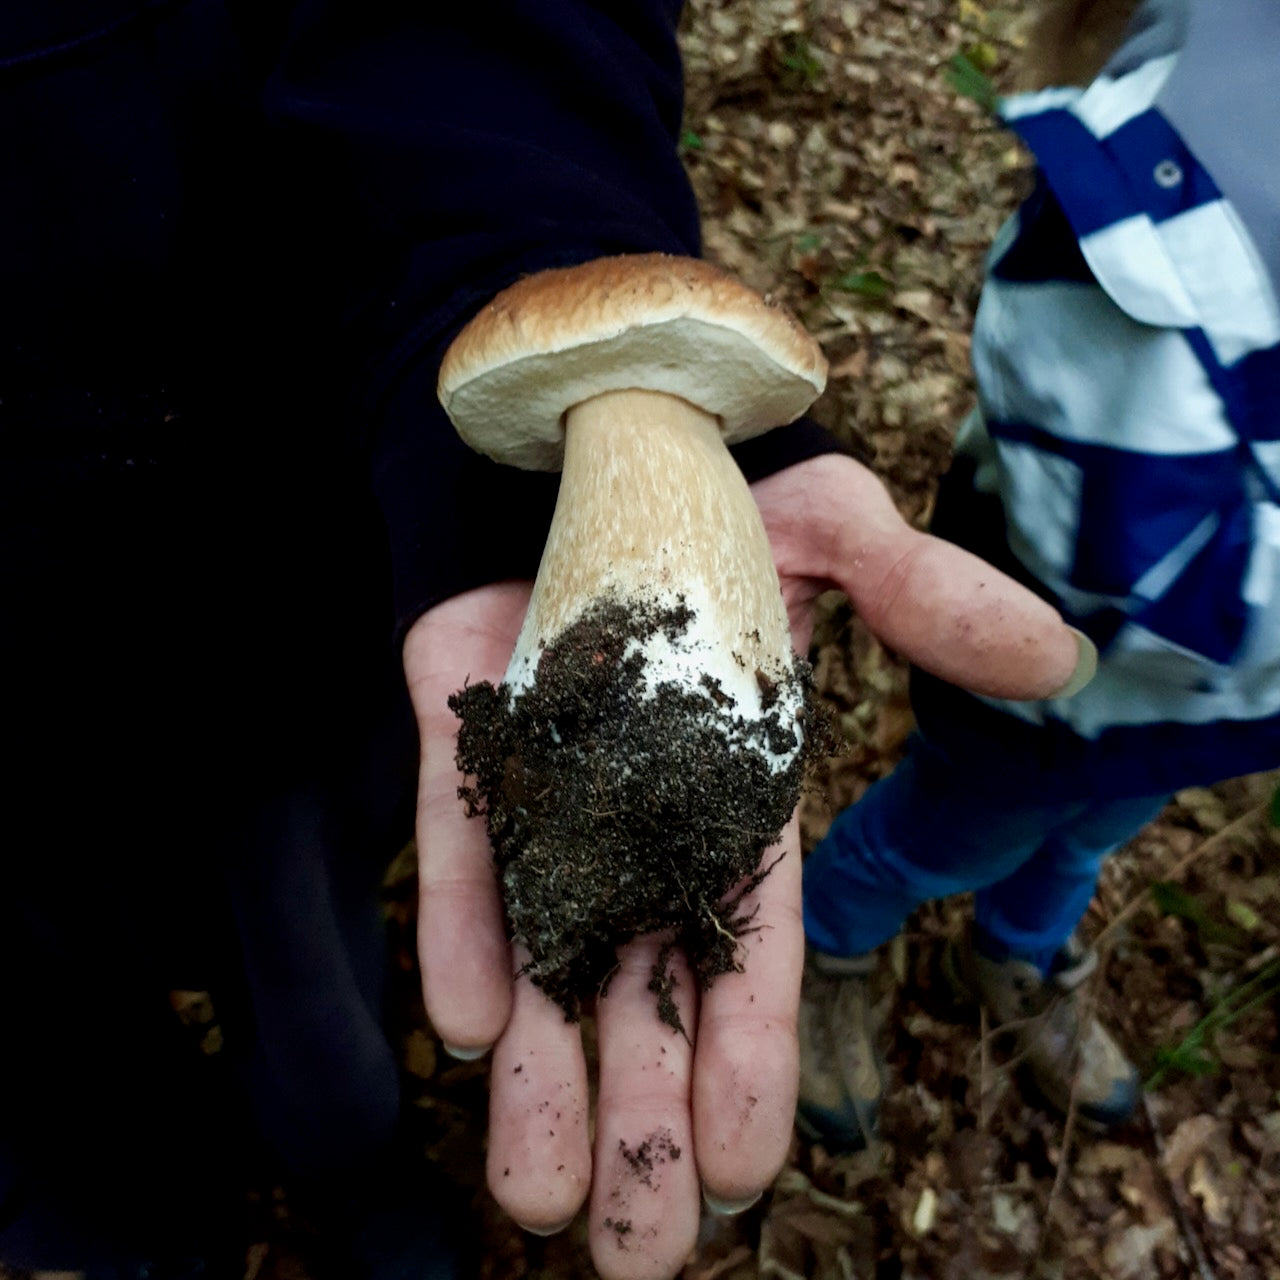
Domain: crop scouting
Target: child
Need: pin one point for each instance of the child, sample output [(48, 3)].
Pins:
[(1124, 461)]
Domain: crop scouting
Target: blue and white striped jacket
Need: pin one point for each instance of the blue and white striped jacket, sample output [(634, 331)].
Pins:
[(1127, 355)]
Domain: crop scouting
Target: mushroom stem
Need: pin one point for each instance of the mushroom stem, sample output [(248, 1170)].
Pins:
[(652, 510)]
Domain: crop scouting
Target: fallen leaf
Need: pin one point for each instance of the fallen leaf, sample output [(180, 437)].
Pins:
[(420, 1055), (1207, 1185), (1186, 1142), (1205, 806), (194, 1008), (713, 1270), (926, 1212), (1011, 1216), (917, 302), (1131, 1253), (854, 365), (1244, 915)]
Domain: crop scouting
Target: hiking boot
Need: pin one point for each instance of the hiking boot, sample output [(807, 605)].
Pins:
[(841, 1075), (1056, 1038)]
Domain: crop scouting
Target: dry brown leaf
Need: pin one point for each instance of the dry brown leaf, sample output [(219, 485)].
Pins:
[(255, 1259), (1212, 1189), (1132, 1252), (815, 1224), (1108, 1157), (404, 868), (1239, 1052), (926, 1212), (854, 365), (1270, 1124), (713, 1270), (799, 1240), (918, 302), (194, 1008), (420, 1055), (1187, 1141), (793, 1182)]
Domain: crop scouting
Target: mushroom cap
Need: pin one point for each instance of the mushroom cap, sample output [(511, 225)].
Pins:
[(647, 322)]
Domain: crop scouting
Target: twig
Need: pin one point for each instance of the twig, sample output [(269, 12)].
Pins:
[(770, 1266), (1185, 1228), (720, 929), (1059, 1177), (984, 1072), (1002, 1029), (1085, 1012), (1180, 868), (791, 1182)]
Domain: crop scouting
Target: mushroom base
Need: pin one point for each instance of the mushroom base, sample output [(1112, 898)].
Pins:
[(618, 805)]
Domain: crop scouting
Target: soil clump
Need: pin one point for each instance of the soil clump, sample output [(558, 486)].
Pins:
[(620, 805)]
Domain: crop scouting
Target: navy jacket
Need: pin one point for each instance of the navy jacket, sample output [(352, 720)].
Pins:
[(236, 237)]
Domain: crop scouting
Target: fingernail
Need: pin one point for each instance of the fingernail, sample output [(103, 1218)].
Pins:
[(465, 1055), (727, 1208), (546, 1231), (1086, 665)]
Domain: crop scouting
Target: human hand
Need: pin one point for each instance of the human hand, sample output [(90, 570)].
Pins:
[(832, 524), (672, 1115)]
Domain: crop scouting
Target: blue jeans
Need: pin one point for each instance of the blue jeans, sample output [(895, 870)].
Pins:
[(938, 826)]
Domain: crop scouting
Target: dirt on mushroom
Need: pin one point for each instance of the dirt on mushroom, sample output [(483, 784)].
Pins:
[(619, 806)]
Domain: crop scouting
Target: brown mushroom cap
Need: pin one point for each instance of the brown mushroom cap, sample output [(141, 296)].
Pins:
[(645, 322)]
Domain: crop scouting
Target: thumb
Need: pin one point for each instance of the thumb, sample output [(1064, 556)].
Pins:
[(934, 603), (962, 620)]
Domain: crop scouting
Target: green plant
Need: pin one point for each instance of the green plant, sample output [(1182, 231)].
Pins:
[(867, 284), (970, 81), (1176, 901), (799, 67), (1195, 1055)]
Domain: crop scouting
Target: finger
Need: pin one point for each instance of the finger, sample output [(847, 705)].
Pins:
[(829, 519), (746, 1069), (462, 946), (539, 1164), (644, 1200), (960, 619)]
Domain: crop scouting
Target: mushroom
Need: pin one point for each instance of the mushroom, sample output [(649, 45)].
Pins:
[(646, 743)]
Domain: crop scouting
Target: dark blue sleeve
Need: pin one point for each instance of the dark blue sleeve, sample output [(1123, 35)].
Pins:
[(476, 141)]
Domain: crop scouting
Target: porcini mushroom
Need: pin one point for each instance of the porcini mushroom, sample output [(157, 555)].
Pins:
[(645, 745)]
